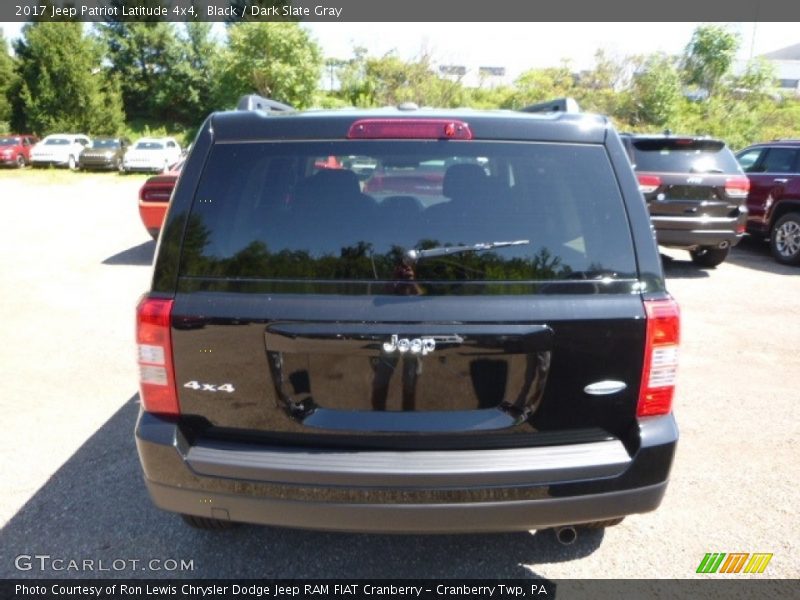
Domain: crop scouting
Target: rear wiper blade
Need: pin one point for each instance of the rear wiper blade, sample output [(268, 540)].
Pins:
[(414, 254)]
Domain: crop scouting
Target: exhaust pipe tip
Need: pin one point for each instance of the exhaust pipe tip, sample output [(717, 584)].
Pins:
[(724, 245), (566, 535)]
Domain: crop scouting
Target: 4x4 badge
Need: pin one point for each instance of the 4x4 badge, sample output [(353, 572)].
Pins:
[(416, 346)]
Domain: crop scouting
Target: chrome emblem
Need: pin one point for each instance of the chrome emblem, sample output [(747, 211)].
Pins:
[(421, 346), (694, 180)]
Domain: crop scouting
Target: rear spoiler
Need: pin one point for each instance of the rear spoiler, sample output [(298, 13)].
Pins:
[(256, 102), (567, 105)]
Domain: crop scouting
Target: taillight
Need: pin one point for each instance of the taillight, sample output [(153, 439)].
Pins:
[(156, 194), (737, 187), (660, 358), (156, 371), (418, 129), (648, 183)]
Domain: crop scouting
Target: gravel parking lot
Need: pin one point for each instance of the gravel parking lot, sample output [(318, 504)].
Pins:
[(74, 259)]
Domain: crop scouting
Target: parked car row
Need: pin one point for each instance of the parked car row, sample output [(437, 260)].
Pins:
[(78, 151)]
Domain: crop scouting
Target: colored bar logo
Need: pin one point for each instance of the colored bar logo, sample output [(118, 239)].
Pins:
[(734, 562)]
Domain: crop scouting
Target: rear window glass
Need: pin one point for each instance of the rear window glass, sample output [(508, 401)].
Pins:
[(149, 146), (105, 144), (408, 212), (683, 156)]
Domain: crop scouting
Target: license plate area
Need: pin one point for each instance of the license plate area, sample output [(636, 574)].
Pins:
[(337, 375)]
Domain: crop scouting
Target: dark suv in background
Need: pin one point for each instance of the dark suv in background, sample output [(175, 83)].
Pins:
[(695, 192), (774, 201), (495, 351), (104, 153)]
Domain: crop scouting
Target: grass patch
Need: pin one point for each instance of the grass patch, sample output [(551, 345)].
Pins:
[(137, 128), (56, 176)]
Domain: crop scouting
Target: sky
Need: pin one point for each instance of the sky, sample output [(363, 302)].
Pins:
[(521, 46)]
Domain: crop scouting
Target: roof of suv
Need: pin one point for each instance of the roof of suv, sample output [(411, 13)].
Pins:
[(788, 142), (670, 153), (71, 136), (244, 125), (670, 136)]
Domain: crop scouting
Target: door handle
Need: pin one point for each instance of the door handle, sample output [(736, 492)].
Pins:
[(780, 180)]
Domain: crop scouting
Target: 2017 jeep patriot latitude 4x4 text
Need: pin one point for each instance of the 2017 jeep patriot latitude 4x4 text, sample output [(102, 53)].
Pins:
[(498, 356)]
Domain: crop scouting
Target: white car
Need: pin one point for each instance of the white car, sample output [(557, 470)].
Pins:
[(61, 149), (152, 154)]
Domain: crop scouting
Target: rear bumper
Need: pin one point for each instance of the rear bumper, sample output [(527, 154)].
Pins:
[(466, 517), (152, 215), (47, 162), (98, 163), (690, 232), (143, 167), (443, 491)]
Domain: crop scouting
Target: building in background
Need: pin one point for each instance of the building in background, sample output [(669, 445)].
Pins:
[(787, 67)]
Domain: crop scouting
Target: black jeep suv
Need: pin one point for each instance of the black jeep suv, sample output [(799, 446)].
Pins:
[(695, 192), (496, 354)]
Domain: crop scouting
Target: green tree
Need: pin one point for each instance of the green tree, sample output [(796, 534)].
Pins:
[(758, 81), (778, 120), (539, 85), (354, 86), (7, 82), (63, 85), (276, 60), (709, 56), (489, 97), (144, 55), (599, 89), (390, 80), (655, 96), (607, 74), (193, 78)]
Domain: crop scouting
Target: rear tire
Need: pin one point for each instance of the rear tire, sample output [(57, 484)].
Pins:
[(207, 523), (706, 256), (20, 161), (603, 524), (785, 239)]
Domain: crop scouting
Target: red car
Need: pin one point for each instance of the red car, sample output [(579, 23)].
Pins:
[(154, 198), (15, 149)]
